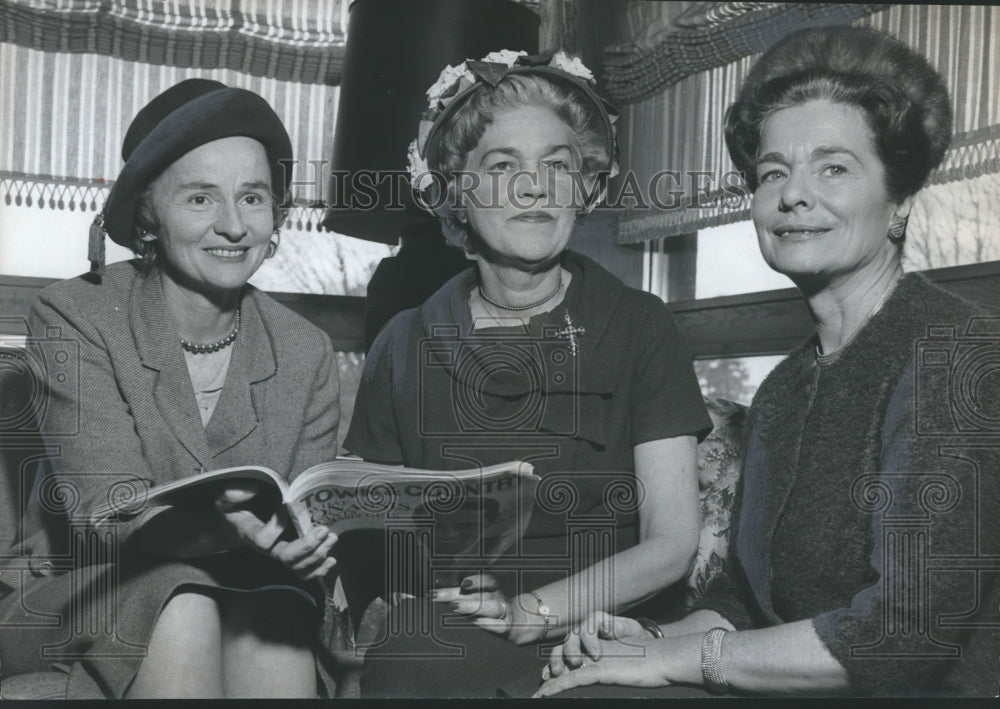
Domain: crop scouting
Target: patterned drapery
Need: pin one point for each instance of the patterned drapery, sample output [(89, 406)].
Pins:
[(73, 74), (288, 40), (679, 128)]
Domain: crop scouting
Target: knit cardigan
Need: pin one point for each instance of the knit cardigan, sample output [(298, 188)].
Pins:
[(867, 502)]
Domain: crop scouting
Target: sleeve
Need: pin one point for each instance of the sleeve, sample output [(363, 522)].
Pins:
[(83, 416), (374, 434), (321, 418), (931, 614), (667, 400)]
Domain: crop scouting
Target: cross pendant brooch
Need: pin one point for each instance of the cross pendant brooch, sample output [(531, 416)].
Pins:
[(571, 332)]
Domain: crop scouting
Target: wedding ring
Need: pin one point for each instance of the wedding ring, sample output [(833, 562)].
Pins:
[(503, 611)]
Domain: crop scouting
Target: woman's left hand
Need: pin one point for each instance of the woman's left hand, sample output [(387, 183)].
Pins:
[(480, 596), (633, 662), (307, 556)]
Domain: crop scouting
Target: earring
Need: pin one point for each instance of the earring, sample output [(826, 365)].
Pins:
[(897, 229), (272, 245)]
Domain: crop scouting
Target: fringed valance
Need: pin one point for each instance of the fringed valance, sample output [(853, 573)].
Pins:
[(291, 40), (47, 192), (680, 127), (719, 33), (63, 116)]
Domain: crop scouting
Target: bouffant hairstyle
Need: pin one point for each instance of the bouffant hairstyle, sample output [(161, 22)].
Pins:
[(461, 132), (903, 99)]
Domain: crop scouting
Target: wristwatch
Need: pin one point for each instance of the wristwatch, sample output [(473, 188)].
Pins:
[(543, 611)]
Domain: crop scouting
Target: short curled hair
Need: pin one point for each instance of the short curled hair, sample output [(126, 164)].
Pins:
[(903, 99), (461, 132), (147, 253)]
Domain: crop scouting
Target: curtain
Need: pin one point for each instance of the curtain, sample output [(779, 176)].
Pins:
[(679, 127), (73, 74)]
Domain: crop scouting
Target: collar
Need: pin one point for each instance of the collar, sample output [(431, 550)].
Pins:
[(158, 345)]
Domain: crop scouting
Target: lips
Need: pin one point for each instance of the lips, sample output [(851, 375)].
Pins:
[(534, 217), (801, 230)]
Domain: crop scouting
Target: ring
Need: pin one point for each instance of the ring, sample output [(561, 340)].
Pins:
[(503, 611)]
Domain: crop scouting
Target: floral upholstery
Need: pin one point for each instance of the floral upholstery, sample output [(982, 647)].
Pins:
[(720, 462)]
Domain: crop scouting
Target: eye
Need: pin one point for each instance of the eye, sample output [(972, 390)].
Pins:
[(253, 200), (501, 166), (835, 170), (199, 199), (770, 176), (558, 165)]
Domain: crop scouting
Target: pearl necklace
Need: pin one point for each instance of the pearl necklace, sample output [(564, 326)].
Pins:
[(516, 308), (214, 346)]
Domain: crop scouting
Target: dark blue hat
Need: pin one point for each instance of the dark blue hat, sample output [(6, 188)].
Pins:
[(182, 118)]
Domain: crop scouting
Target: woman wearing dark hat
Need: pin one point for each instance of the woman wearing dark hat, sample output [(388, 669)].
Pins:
[(536, 353), (848, 498), (183, 367)]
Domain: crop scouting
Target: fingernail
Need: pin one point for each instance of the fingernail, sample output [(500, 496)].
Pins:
[(467, 584)]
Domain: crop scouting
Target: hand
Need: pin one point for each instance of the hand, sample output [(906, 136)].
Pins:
[(307, 556), (584, 642), (635, 662), (480, 596)]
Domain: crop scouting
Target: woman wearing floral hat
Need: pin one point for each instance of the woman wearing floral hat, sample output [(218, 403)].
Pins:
[(183, 367), (535, 353)]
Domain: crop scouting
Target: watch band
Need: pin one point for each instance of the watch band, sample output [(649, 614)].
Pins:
[(544, 612), (650, 627), (711, 661)]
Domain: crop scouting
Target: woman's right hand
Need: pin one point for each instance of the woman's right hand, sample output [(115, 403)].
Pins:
[(583, 643), (307, 556)]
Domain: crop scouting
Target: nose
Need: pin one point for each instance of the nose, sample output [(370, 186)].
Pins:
[(796, 192), (532, 182), (229, 221)]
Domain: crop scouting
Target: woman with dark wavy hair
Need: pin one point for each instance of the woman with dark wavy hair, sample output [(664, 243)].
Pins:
[(836, 129)]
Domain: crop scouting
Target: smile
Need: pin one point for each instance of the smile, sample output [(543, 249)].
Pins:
[(796, 230), (227, 253)]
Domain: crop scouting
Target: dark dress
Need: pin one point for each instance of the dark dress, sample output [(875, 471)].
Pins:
[(869, 496), (435, 394), (127, 412)]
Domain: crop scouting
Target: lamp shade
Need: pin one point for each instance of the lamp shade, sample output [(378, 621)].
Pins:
[(395, 50)]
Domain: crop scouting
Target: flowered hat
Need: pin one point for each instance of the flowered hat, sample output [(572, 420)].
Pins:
[(456, 84)]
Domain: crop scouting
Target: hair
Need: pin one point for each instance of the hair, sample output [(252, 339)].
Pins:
[(902, 98), (147, 253), (461, 132)]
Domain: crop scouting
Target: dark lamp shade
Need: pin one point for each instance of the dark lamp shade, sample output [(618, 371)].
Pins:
[(395, 50)]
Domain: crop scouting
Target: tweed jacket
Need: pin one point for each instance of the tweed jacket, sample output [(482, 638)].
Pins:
[(126, 406)]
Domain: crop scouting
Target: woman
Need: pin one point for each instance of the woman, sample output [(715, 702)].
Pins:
[(836, 130), (183, 367), (514, 146)]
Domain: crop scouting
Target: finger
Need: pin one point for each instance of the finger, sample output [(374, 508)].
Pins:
[(452, 593), (500, 627), (590, 674), (322, 570), (591, 646), (556, 665), (573, 653), (313, 546), (236, 494), (268, 533), (479, 582)]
